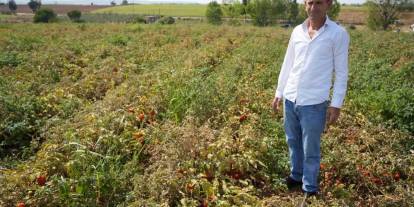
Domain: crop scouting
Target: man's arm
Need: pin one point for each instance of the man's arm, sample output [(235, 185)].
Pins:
[(284, 74), (341, 77)]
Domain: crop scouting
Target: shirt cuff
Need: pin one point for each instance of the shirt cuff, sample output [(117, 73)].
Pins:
[(336, 103), (278, 94)]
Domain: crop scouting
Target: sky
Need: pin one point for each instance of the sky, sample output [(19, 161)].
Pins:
[(106, 2)]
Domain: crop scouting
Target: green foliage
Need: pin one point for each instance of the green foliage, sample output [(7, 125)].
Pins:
[(11, 59), (140, 20), (278, 9), (166, 20), (259, 11), (293, 11), (233, 10), (374, 18), (120, 40), (34, 5), (265, 12), (381, 14), (12, 6), (333, 12), (74, 15), (406, 5), (214, 13), (302, 14), (44, 15)]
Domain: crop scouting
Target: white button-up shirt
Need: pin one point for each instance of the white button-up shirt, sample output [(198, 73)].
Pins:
[(309, 64)]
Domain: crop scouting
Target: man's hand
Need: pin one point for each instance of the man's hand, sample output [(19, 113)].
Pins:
[(332, 115), (276, 104)]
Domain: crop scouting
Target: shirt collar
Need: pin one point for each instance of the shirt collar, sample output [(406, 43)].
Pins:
[(305, 23)]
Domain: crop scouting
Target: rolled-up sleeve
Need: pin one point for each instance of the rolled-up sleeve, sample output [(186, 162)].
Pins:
[(340, 69), (285, 70)]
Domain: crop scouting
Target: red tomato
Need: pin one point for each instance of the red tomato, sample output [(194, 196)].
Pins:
[(20, 204), (243, 118), (41, 180)]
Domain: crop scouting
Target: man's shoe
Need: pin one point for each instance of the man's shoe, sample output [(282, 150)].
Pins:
[(310, 194), (307, 196), (293, 184)]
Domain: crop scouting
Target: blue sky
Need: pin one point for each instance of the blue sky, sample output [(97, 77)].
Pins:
[(106, 2)]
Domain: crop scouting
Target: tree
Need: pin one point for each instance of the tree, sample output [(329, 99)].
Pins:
[(44, 15), (113, 3), (333, 12), (233, 10), (34, 5), (293, 11), (214, 13), (124, 2), (260, 11), (407, 5), (382, 13), (12, 6), (244, 10), (74, 15), (278, 9)]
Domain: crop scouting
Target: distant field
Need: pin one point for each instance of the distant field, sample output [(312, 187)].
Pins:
[(158, 9), (353, 8), (348, 14), (181, 9)]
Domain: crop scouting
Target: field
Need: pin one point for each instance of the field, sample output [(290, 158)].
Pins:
[(180, 115), (182, 9), (186, 10)]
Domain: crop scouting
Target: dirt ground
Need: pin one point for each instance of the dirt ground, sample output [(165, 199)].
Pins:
[(359, 17)]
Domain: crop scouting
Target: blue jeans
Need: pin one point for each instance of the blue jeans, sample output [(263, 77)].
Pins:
[(304, 126)]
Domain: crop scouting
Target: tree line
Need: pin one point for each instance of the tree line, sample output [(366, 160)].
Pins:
[(381, 13)]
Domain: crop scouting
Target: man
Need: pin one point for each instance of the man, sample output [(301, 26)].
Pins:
[(317, 50)]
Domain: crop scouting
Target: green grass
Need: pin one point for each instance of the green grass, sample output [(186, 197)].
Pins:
[(158, 9), (3, 16)]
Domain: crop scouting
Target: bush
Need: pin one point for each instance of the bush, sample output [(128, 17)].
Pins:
[(214, 13), (74, 15), (140, 20), (119, 40), (44, 15), (166, 20), (382, 14)]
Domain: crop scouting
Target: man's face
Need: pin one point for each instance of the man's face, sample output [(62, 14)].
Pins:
[(317, 9)]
